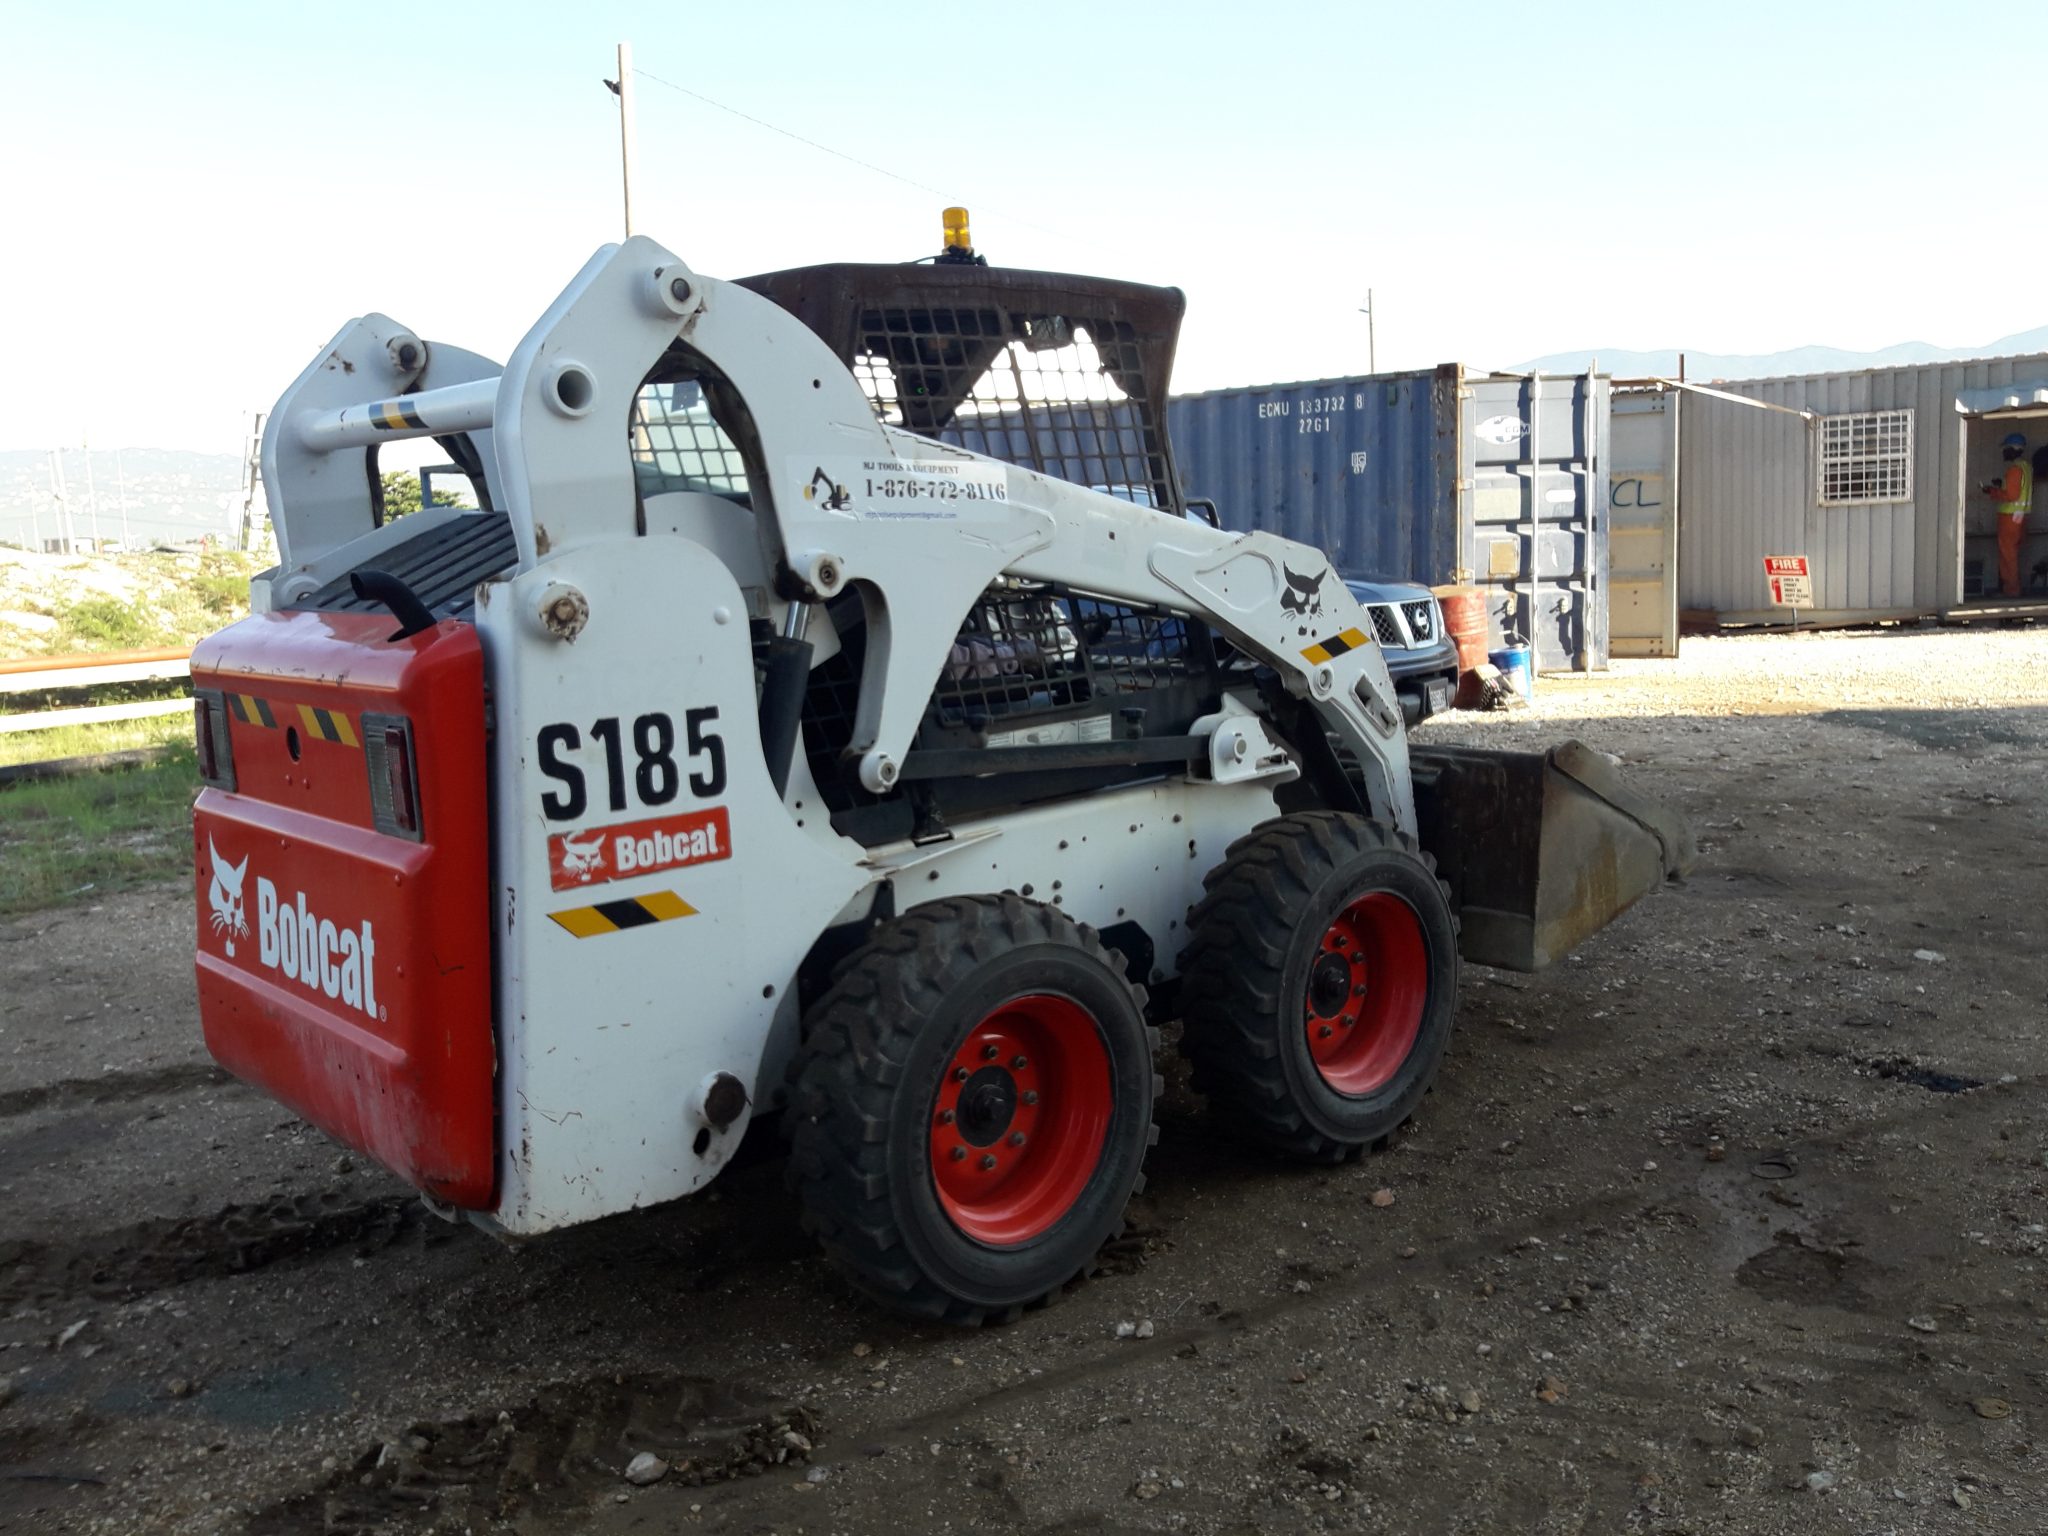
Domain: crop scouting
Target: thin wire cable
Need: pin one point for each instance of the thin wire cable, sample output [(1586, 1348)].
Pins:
[(837, 154)]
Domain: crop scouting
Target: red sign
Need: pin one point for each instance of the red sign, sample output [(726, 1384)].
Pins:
[(598, 855), (1790, 579)]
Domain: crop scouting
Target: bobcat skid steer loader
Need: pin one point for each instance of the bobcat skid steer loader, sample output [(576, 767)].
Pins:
[(829, 710)]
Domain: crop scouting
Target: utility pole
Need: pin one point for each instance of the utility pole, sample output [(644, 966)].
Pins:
[(92, 495), (67, 535), (625, 93), (1372, 351), (121, 476), (35, 523)]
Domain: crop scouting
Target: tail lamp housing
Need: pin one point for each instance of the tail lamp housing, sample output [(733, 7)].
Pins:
[(394, 775), (216, 748)]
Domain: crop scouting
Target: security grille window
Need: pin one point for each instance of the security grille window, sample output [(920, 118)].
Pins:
[(676, 445), (1866, 457), (1038, 391)]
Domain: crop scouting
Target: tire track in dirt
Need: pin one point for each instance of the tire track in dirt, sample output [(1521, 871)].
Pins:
[(145, 1256), (557, 1452), (115, 1087)]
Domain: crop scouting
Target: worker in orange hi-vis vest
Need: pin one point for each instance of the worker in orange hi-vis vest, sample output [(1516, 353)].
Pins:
[(2015, 495)]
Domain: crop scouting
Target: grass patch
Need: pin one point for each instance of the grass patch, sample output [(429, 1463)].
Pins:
[(88, 740), (78, 839)]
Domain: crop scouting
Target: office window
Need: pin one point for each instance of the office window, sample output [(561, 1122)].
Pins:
[(1866, 456)]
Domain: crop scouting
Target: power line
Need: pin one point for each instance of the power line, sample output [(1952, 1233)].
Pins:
[(866, 165)]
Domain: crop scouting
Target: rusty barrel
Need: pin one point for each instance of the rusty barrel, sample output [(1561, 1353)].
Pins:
[(1465, 622)]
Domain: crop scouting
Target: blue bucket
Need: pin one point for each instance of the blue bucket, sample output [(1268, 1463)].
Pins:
[(1515, 665)]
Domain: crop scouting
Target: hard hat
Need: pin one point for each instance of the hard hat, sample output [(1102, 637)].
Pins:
[(2014, 440)]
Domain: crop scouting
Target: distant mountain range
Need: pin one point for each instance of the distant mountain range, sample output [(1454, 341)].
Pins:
[(1706, 366), (172, 496)]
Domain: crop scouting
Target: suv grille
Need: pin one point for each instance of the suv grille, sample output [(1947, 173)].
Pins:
[(1386, 627), (1421, 621)]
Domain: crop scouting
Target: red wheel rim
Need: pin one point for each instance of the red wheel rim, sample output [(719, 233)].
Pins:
[(1020, 1119), (1368, 983)]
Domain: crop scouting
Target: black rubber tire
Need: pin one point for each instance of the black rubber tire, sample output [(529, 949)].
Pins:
[(875, 1048), (1245, 974)]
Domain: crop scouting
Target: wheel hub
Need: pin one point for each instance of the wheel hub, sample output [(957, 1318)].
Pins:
[(1329, 985), (988, 1103)]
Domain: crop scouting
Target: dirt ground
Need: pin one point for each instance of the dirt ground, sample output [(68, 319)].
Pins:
[(1732, 1223)]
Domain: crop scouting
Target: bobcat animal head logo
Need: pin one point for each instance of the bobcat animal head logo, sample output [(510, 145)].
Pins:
[(1303, 598), (230, 917), (583, 859)]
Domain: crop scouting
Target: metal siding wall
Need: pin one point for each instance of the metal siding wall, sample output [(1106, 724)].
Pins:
[(1748, 491), (1391, 514)]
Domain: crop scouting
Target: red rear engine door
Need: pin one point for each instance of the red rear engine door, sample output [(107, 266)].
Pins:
[(343, 969)]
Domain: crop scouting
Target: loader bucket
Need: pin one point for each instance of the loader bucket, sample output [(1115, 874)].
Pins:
[(1541, 849)]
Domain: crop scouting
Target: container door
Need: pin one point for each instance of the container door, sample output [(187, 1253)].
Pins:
[(1536, 513), (1642, 503)]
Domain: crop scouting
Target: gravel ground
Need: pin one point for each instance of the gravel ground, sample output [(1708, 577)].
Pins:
[(1732, 1223)]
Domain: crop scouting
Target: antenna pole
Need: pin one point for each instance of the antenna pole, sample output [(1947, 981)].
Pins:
[(626, 131), (1372, 350)]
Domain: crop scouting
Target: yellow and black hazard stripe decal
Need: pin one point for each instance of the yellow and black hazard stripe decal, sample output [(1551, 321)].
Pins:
[(627, 912), (394, 415), (1330, 647), (328, 726), (250, 710)]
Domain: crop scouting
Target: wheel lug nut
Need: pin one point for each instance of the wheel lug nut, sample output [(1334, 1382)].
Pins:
[(1019, 1063), (1016, 1138), (1324, 1032), (988, 1160), (959, 1154), (1030, 1095), (1340, 941), (959, 1074), (989, 1053), (945, 1117)]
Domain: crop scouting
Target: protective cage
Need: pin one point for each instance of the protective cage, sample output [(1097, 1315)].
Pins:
[(1059, 374)]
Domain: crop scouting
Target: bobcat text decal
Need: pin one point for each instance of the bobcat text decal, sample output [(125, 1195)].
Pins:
[(603, 854), (337, 961)]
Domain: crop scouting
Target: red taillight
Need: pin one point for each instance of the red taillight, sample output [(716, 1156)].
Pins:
[(210, 738), (202, 727), (398, 770), (394, 776)]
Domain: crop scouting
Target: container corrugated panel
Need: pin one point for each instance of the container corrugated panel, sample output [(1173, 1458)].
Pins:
[(1537, 528), (1438, 476), (1748, 479), (1364, 469)]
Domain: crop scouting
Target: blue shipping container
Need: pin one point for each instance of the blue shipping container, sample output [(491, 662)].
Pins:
[(1438, 476)]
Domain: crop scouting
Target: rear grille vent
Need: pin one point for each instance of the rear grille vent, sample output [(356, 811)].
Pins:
[(442, 564)]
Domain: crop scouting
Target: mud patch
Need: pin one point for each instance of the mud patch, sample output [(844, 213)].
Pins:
[(1799, 1270), (155, 1255), (1896, 1069), (557, 1453)]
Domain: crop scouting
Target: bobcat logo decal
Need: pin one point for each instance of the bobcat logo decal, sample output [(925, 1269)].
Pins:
[(230, 916), (1303, 598), (583, 858)]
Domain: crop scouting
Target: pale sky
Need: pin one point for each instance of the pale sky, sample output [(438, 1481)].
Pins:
[(197, 196)]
